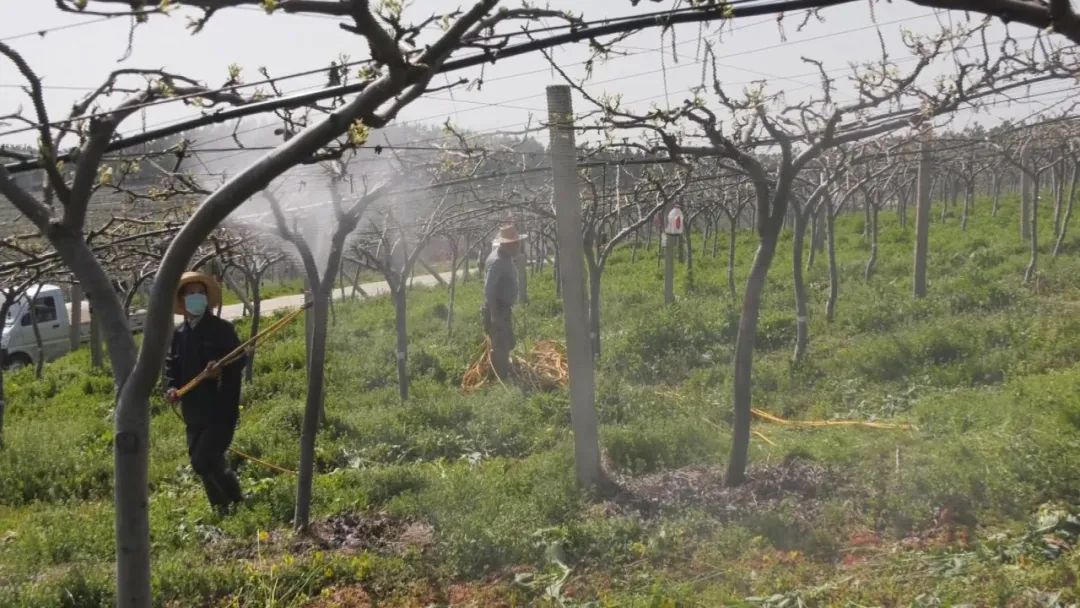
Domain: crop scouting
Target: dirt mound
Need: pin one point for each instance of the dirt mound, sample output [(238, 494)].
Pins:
[(347, 533), (370, 532), (702, 487)]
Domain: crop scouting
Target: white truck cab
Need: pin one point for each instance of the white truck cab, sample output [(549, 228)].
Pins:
[(19, 347)]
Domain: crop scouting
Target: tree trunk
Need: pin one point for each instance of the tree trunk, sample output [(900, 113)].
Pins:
[(356, 281), (39, 361), (431, 271), (689, 256), (313, 408), (665, 242), (341, 279), (523, 279), (996, 183), (744, 353), (969, 200), (669, 268), (4, 307), (1033, 264), (866, 218), (815, 235), (75, 320), (131, 419), (594, 306), (256, 316), (1059, 193), (228, 283), (716, 237), (954, 195), (922, 221), (902, 205), (97, 358), (802, 319), (871, 263), (330, 304), (1025, 206), (1068, 211), (312, 290), (834, 273), (400, 319), (706, 234), (452, 299), (557, 273), (733, 226)]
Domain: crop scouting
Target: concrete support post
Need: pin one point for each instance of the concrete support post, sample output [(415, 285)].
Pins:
[(672, 245), (922, 220), (572, 273)]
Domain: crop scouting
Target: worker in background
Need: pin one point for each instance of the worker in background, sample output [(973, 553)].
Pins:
[(212, 408), (500, 294)]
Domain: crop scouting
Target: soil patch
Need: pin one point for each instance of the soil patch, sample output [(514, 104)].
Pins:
[(377, 532), (347, 533), (702, 487)]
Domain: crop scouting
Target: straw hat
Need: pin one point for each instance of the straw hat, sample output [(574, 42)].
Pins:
[(508, 234), (213, 290)]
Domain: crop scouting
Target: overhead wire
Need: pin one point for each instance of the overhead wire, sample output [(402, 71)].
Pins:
[(582, 114), (1026, 98), (666, 15), (650, 72), (242, 151), (575, 35), (482, 105), (501, 103), (48, 30), (504, 103)]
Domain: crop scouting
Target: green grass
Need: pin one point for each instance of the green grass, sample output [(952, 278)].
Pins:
[(986, 368)]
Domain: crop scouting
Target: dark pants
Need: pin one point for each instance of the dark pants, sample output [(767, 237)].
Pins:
[(499, 325), (207, 445)]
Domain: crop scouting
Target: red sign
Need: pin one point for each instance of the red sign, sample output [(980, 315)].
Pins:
[(674, 221)]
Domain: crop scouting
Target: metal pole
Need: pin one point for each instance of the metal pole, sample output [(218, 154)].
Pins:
[(572, 274), (922, 220)]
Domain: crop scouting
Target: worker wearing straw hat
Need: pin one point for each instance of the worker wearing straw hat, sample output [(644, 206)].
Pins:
[(500, 294), (212, 408)]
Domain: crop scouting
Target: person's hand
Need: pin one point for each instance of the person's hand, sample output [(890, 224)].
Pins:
[(172, 396), (213, 370)]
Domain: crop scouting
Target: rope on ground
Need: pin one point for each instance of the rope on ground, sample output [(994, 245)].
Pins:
[(820, 423), (762, 437), (270, 465), (544, 367), (243, 455)]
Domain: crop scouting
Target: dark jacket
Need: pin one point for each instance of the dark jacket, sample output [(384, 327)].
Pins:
[(192, 349), (500, 281)]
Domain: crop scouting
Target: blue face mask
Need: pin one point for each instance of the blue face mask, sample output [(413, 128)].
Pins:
[(195, 303)]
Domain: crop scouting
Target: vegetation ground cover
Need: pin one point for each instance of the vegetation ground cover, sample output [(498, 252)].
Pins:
[(454, 499)]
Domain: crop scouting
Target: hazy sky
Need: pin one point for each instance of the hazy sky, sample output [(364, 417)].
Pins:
[(75, 59)]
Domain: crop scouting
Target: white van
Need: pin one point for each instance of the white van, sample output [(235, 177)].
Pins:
[(18, 346)]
